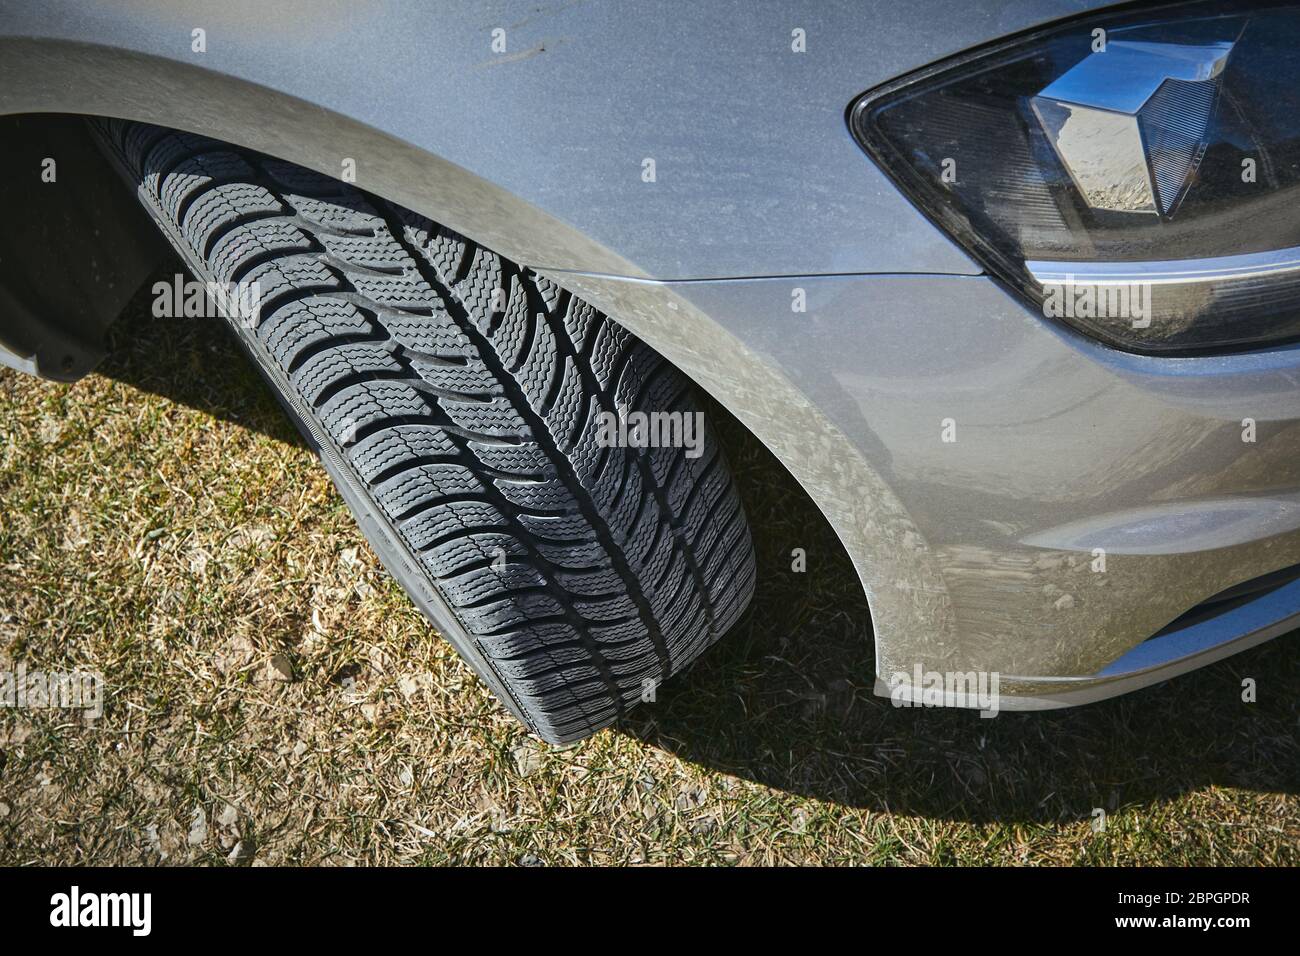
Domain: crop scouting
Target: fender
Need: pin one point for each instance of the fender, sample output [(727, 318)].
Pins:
[(529, 127)]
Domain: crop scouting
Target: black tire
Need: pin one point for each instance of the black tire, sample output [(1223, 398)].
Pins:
[(462, 429)]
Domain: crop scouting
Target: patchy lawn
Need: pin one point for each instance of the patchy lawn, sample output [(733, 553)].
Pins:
[(274, 698)]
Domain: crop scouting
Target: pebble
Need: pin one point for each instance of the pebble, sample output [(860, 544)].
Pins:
[(198, 828)]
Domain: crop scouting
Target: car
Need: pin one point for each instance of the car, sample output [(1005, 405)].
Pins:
[(1012, 290)]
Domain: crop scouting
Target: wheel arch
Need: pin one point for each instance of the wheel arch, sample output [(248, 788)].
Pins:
[(903, 587)]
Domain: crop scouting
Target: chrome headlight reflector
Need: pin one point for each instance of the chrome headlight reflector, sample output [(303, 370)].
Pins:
[(1135, 175)]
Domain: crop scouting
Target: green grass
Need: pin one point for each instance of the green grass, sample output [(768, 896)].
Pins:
[(161, 522)]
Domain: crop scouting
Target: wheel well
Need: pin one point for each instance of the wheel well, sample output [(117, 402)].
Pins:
[(117, 223)]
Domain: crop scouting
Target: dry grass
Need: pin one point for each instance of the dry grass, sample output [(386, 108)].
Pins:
[(163, 524)]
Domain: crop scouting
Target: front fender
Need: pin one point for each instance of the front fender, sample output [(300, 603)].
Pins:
[(538, 147)]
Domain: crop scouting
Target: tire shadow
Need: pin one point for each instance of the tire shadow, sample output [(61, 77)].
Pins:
[(196, 362), (786, 700)]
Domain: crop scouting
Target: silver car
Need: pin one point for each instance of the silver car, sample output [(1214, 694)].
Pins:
[(1012, 290)]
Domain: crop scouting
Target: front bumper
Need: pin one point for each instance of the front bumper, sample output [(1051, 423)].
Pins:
[(1017, 499), (1154, 660)]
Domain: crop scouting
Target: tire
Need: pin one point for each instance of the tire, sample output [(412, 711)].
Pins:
[(456, 399)]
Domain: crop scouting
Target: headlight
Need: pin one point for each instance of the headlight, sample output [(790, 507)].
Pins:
[(1134, 175)]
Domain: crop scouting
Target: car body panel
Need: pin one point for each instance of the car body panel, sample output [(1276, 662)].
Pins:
[(756, 172), (975, 554)]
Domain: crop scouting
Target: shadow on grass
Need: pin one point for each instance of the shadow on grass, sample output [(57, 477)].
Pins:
[(786, 699), (196, 362)]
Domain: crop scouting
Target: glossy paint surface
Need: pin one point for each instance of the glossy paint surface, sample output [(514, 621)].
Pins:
[(979, 552), (755, 172)]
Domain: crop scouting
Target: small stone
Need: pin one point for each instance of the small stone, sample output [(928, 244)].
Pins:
[(198, 828), (4, 809), (690, 799), (228, 816), (154, 841), (240, 854), (528, 759), (279, 667), (1064, 602)]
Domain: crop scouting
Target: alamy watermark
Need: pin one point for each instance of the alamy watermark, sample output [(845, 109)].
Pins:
[(74, 908), (652, 430), (977, 690), (53, 690), (1072, 299), (191, 299)]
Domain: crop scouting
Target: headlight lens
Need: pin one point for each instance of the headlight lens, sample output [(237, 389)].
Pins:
[(1134, 175)]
